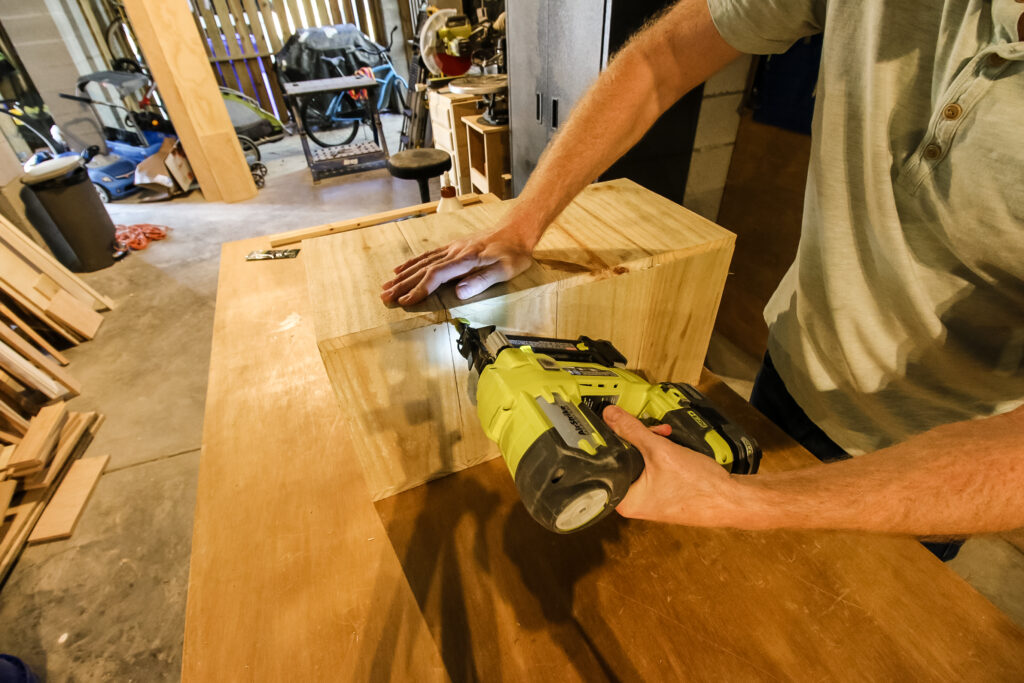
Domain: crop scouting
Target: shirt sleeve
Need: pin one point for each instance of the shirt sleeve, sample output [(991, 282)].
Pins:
[(766, 26)]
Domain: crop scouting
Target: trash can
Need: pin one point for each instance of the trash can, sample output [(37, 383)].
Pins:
[(65, 192)]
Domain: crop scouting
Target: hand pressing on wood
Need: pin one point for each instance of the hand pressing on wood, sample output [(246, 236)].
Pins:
[(480, 260), (678, 485)]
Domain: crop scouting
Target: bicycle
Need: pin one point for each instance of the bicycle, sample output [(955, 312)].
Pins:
[(333, 120)]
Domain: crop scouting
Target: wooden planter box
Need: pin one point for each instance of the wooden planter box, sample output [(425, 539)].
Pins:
[(620, 263)]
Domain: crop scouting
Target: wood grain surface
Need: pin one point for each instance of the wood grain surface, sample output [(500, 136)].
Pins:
[(636, 601), (65, 508), (295, 577), (292, 576), (174, 52)]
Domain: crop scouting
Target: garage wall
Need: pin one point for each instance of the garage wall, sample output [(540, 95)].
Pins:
[(55, 54), (716, 138)]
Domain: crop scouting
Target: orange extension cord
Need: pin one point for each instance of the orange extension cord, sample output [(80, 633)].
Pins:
[(138, 237)]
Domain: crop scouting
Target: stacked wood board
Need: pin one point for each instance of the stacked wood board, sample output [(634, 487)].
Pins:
[(620, 263), (43, 306), (33, 471)]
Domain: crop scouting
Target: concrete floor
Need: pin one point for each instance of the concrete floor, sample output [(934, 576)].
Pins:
[(109, 604)]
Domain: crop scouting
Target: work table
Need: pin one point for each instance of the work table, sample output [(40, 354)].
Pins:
[(296, 574)]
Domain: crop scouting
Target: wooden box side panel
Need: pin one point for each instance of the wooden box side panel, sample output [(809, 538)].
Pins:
[(660, 318), (408, 405), (681, 314)]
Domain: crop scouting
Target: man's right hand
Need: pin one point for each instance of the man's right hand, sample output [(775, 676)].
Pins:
[(481, 261)]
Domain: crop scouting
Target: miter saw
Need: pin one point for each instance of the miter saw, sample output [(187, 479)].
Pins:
[(450, 44)]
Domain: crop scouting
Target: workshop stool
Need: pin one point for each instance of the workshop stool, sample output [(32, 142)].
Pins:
[(420, 165)]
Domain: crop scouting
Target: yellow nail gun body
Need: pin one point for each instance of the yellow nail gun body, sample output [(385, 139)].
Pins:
[(540, 399)]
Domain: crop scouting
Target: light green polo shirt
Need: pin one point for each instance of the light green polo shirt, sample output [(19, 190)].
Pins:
[(904, 308)]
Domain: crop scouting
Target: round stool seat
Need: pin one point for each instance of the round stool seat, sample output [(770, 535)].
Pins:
[(413, 164), (420, 165)]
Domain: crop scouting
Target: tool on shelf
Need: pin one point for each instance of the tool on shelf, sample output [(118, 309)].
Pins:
[(540, 399), (493, 88)]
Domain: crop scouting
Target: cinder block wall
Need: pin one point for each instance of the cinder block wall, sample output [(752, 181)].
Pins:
[(716, 137)]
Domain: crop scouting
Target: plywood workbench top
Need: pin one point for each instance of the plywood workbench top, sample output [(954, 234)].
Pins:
[(297, 575)]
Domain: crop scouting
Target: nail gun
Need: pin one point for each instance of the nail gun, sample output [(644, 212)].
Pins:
[(540, 399)]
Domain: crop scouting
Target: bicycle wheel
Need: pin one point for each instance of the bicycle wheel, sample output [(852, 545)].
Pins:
[(323, 130), (250, 149)]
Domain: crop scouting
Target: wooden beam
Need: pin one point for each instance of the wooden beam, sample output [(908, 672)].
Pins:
[(366, 221), (170, 42)]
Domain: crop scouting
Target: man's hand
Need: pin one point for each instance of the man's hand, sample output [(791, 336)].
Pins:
[(677, 485), (484, 259)]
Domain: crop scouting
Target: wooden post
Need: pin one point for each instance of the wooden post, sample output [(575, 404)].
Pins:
[(167, 35)]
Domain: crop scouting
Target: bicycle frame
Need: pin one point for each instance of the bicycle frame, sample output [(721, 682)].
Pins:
[(385, 75)]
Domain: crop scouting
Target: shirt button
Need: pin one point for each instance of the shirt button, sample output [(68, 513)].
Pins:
[(952, 111), (932, 152)]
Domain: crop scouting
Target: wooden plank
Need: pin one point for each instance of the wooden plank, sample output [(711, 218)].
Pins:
[(65, 508), (361, 20), (270, 9), (36, 447), (271, 534), (345, 6), (323, 13), (5, 456), (6, 493), (68, 443), (36, 357), (14, 419), (35, 311), (211, 39), (21, 276), (634, 601), (336, 16), (44, 262), (75, 316), (295, 20), (29, 375), (14, 319), (295, 236), (253, 18), (233, 49), (178, 62), (9, 438)]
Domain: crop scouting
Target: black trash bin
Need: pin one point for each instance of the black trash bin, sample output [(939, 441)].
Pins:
[(65, 192)]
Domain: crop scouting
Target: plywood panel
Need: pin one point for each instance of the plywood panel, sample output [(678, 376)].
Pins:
[(638, 601), (65, 508), (175, 55), (287, 547)]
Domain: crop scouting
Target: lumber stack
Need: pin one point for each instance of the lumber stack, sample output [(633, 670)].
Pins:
[(44, 307), (33, 471)]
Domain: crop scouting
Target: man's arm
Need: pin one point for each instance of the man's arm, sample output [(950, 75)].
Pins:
[(656, 68), (958, 479)]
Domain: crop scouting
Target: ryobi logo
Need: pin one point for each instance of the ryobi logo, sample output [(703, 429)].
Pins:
[(698, 419)]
